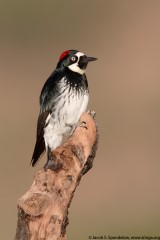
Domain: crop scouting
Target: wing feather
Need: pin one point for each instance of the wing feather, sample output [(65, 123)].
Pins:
[(48, 99), (39, 148)]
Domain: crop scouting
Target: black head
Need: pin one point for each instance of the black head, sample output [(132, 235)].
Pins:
[(74, 60)]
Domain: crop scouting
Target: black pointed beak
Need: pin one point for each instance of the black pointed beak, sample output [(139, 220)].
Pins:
[(89, 59), (84, 60)]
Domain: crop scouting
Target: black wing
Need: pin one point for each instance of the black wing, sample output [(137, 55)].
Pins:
[(39, 148), (48, 98)]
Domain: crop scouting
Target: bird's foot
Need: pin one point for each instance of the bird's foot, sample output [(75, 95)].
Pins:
[(50, 160), (53, 164), (92, 113), (49, 163), (80, 124), (74, 126)]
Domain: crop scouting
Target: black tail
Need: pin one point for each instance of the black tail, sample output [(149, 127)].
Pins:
[(38, 151)]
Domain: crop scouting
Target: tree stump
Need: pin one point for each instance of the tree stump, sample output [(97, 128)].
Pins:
[(43, 209)]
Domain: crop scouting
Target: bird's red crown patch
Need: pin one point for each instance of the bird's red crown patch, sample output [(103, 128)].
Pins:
[(63, 55)]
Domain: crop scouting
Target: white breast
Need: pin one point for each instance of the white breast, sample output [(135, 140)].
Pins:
[(67, 111)]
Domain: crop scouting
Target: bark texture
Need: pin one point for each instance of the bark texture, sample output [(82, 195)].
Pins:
[(43, 210)]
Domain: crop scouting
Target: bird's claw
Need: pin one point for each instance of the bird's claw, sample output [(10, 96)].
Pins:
[(92, 113), (78, 124), (53, 164), (81, 124), (49, 163)]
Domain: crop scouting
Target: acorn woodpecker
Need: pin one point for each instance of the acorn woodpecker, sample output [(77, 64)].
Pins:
[(64, 97)]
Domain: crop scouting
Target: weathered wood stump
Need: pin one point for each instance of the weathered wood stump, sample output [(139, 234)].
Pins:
[(43, 210)]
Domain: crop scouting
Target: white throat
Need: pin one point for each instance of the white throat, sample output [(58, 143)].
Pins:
[(74, 67)]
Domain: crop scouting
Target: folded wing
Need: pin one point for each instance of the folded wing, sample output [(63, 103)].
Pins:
[(39, 148)]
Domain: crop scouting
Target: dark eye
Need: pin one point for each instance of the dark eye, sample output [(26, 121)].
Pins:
[(73, 59)]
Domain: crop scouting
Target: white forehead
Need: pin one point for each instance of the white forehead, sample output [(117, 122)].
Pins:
[(79, 54)]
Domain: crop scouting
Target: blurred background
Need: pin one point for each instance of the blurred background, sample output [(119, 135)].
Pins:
[(120, 195)]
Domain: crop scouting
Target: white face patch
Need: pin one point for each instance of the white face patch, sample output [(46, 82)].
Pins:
[(74, 67), (79, 54)]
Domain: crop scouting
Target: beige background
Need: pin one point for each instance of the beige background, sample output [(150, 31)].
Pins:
[(121, 194)]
